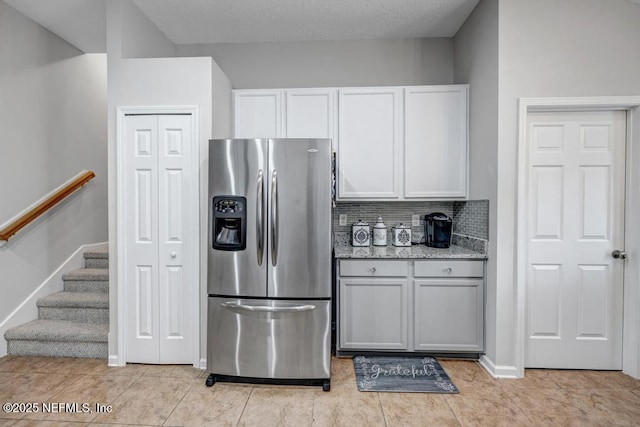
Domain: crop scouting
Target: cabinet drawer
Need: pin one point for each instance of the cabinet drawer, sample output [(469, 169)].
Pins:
[(449, 268), (373, 268)]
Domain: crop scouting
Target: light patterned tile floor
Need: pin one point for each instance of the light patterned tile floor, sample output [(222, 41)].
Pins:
[(176, 396)]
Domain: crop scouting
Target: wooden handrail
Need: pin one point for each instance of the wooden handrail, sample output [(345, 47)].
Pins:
[(46, 203)]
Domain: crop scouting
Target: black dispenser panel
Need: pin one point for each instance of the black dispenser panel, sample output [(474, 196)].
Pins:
[(229, 223)]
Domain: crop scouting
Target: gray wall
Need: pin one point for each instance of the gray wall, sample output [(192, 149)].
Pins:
[(476, 63), (552, 49), (545, 48), (156, 82), (331, 63), (53, 121), (140, 37)]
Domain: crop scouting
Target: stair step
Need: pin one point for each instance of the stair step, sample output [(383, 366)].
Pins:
[(89, 307), (75, 300), (86, 280), (58, 338), (97, 257), (72, 323)]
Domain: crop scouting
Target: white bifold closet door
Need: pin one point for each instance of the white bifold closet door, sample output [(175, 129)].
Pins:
[(161, 208)]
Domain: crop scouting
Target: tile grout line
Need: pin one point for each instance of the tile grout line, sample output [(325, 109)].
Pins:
[(384, 417), (179, 402), (446, 400), (313, 410), (245, 405)]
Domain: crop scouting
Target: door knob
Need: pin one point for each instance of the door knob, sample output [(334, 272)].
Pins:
[(617, 254)]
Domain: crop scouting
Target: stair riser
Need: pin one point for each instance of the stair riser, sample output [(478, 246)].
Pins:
[(75, 314), (96, 263), (96, 350), (86, 286)]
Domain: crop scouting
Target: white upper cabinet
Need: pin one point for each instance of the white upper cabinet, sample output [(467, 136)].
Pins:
[(435, 141), (392, 143), (280, 113), (257, 113), (369, 130), (310, 113)]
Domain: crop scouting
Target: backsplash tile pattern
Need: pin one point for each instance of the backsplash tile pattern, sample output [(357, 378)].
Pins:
[(470, 218)]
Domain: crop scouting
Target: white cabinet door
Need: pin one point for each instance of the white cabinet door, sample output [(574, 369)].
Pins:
[(435, 141), (310, 113), (160, 235), (448, 315), (373, 314), (257, 113), (370, 135)]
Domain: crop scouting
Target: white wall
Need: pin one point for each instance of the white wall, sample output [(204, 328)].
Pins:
[(551, 49), (140, 37), (476, 63), (332, 63), (53, 121), (157, 82)]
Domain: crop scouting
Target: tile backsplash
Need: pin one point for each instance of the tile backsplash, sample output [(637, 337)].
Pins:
[(470, 217)]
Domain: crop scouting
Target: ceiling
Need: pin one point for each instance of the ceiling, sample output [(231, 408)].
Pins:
[(206, 21), (82, 22)]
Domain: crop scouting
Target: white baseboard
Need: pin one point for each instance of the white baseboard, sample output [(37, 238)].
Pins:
[(28, 310), (497, 371), (203, 364), (114, 360)]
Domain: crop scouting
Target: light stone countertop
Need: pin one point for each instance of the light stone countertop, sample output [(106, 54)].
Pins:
[(417, 251)]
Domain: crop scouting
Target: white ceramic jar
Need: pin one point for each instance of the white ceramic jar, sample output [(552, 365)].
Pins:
[(379, 233), (360, 234), (401, 235)]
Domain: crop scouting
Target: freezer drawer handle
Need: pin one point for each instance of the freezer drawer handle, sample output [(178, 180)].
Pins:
[(265, 309), (259, 218)]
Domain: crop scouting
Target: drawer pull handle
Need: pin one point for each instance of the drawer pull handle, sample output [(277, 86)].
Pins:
[(373, 269), (447, 270)]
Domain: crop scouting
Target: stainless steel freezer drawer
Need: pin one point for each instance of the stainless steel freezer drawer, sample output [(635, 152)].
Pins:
[(269, 338)]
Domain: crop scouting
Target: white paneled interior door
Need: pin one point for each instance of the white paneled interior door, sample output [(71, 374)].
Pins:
[(160, 213), (574, 287)]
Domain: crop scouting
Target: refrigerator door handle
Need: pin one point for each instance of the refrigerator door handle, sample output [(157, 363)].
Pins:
[(260, 218), (274, 218), (267, 309)]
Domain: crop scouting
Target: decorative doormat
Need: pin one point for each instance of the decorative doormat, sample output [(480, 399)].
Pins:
[(402, 374)]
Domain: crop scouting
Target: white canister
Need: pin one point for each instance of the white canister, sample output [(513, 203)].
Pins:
[(360, 234), (401, 235), (379, 233)]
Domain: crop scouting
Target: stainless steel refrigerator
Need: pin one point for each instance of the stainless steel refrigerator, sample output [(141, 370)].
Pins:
[(269, 261)]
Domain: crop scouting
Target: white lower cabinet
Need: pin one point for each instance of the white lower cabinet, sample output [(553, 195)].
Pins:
[(447, 315), (400, 305), (375, 314)]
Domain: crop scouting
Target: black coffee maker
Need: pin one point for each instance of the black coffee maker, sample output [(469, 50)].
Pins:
[(437, 233)]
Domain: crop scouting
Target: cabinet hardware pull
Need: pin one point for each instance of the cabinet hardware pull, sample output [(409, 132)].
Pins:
[(373, 269), (447, 270)]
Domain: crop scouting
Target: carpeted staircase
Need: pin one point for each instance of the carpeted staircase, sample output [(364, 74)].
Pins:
[(74, 322)]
